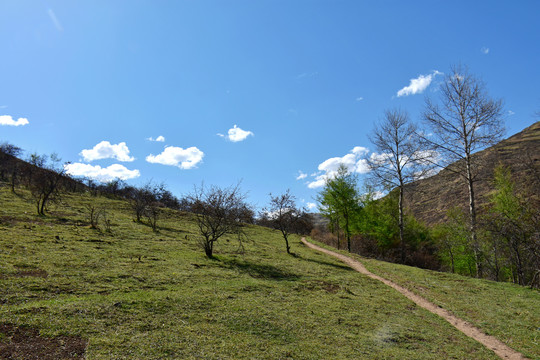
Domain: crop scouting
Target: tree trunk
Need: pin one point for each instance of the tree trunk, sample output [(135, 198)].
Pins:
[(13, 178), (348, 233), (472, 218), (519, 264), (401, 226), (209, 248), (338, 234)]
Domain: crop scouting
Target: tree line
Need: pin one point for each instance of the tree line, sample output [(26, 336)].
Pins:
[(502, 242), (218, 211)]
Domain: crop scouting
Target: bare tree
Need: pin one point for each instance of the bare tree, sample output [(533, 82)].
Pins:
[(46, 181), (401, 159), (284, 215), (94, 213), (9, 162), (147, 202), (464, 121), (217, 212)]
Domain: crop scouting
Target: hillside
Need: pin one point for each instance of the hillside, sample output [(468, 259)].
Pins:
[(430, 199), (135, 294)]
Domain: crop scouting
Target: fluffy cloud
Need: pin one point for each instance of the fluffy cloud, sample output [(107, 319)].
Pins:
[(236, 134), (7, 120), (106, 150), (353, 161), (301, 175), (176, 156), (114, 171), (160, 138), (485, 50), (311, 206), (418, 85)]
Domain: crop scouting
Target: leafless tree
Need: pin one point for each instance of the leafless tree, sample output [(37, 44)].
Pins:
[(284, 215), (464, 121), (46, 181), (218, 212), (146, 201), (94, 213), (401, 159), (9, 162)]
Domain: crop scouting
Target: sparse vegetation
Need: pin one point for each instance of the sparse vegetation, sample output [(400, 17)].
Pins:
[(162, 298)]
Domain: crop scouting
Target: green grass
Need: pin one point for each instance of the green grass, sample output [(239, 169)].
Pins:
[(137, 294), (507, 311)]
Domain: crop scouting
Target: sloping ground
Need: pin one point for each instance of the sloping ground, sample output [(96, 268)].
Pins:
[(490, 342), (430, 199), (135, 294)]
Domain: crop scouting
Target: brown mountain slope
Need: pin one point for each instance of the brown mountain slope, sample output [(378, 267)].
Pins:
[(430, 199)]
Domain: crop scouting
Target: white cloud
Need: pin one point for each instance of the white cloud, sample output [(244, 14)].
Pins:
[(353, 161), (360, 150), (418, 85), (318, 183), (236, 134), (109, 173), (106, 150), (160, 138), (7, 120), (311, 205), (510, 113), (378, 194), (176, 156), (485, 50), (301, 175), (359, 98)]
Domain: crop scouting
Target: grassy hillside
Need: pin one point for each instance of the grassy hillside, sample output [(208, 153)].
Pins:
[(134, 294)]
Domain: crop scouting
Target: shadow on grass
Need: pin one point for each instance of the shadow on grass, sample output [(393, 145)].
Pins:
[(320, 262), (260, 271), (167, 228)]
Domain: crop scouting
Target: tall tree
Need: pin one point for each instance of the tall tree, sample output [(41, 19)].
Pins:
[(465, 120), (401, 159), (340, 200)]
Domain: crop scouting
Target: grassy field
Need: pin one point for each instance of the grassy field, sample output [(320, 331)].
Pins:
[(136, 294), (507, 311)]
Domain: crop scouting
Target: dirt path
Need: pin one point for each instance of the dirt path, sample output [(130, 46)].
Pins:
[(501, 349)]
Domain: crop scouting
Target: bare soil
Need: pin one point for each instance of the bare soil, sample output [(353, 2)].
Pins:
[(26, 343), (497, 346)]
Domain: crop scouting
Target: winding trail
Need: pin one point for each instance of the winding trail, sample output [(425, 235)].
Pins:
[(497, 346)]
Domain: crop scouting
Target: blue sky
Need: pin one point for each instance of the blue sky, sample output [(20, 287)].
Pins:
[(258, 91)]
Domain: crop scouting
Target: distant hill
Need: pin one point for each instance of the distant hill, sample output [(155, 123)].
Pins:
[(430, 199)]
